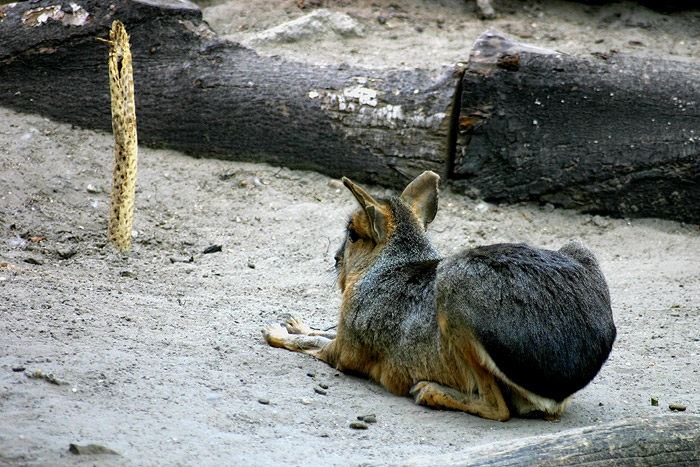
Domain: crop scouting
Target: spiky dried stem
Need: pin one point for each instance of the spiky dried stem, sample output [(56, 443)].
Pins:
[(121, 85)]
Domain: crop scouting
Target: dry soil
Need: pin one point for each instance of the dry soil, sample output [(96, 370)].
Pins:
[(158, 354)]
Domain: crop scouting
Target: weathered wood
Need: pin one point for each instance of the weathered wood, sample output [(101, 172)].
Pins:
[(614, 134), (210, 97), (660, 440)]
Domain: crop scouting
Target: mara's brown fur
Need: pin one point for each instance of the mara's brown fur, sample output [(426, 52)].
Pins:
[(494, 331)]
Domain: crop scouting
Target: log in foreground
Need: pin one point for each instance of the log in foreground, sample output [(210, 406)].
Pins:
[(210, 97), (661, 440), (614, 135)]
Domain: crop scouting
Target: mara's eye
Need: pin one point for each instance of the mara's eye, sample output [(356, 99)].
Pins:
[(353, 236)]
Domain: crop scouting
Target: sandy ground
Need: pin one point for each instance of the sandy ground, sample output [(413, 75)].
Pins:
[(426, 33), (158, 353)]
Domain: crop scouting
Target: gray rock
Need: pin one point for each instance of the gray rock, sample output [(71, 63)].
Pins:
[(315, 25)]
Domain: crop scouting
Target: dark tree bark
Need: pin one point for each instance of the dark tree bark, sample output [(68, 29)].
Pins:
[(616, 134), (661, 440), (210, 97)]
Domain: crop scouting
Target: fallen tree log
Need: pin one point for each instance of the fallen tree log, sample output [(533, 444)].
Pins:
[(617, 134), (210, 97), (661, 440), (614, 135)]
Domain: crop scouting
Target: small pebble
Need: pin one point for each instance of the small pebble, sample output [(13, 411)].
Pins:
[(251, 265), (677, 407), (321, 391), (264, 401), (600, 221), (91, 449), (181, 259), (335, 184), (306, 401), (212, 249), (323, 385), (481, 208), (66, 253), (358, 426), (654, 401), (371, 418), (35, 261)]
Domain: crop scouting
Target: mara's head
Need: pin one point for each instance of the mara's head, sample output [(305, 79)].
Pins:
[(377, 223)]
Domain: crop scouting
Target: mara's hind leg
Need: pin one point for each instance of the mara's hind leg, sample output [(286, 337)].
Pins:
[(290, 335), (487, 401)]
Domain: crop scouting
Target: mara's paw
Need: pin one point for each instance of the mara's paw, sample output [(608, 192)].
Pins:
[(275, 333), (437, 396), (295, 325), (432, 394), (422, 392)]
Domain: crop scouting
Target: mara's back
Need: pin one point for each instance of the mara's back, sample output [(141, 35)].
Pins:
[(543, 316)]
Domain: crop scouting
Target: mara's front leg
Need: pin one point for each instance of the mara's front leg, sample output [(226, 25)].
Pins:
[(296, 326), (293, 334)]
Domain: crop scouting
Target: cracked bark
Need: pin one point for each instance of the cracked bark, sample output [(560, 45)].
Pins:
[(209, 97), (659, 440), (613, 135), (616, 135)]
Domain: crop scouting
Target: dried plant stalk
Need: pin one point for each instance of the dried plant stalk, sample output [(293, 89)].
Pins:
[(121, 86)]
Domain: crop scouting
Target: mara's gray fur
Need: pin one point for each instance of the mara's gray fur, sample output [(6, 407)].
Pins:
[(496, 330)]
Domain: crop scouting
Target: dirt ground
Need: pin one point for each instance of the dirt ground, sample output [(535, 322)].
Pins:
[(158, 354)]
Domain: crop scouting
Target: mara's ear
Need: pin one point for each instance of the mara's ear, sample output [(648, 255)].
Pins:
[(377, 221), (422, 196)]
